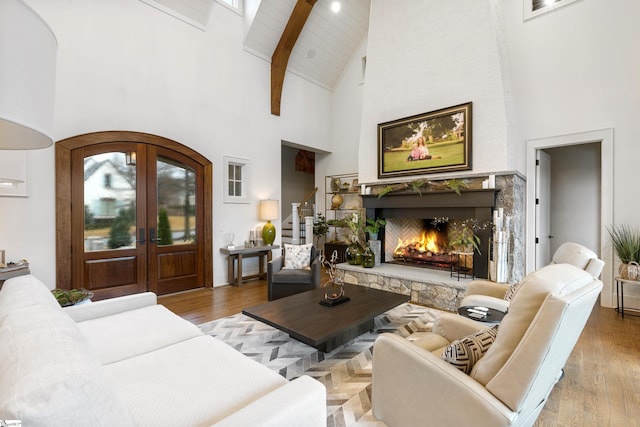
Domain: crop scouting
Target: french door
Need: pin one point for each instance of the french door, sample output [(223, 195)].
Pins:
[(137, 219)]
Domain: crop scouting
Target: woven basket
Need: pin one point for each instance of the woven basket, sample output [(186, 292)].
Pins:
[(630, 271)]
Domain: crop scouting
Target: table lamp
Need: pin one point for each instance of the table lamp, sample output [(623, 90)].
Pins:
[(268, 210)]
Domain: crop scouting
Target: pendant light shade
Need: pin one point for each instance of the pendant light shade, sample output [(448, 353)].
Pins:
[(27, 78)]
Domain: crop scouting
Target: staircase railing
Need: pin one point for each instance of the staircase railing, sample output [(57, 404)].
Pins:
[(302, 228)]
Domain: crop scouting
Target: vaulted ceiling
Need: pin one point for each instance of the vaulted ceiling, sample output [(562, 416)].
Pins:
[(326, 43)]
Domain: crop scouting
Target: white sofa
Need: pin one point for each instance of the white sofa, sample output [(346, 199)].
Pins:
[(129, 361)]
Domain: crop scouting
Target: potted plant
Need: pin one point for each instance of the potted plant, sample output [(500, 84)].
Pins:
[(626, 242), (320, 229), (373, 227), (355, 222), (462, 234)]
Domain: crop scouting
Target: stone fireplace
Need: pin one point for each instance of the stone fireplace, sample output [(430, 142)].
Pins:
[(433, 287)]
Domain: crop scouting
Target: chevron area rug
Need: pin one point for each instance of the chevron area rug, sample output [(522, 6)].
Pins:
[(345, 372)]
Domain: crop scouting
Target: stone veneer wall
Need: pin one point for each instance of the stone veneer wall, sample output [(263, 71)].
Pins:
[(511, 198), (435, 288), (432, 288)]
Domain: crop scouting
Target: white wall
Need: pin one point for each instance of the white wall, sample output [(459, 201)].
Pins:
[(428, 55), (346, 114), (575, 70), (123, 65)]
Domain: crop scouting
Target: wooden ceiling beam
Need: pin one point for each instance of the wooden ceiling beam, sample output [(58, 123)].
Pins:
[(281, 54)]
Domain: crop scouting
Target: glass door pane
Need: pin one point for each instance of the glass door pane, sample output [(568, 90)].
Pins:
[(176, 203), (109, 202)]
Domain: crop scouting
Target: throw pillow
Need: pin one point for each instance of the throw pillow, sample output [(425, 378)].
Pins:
[(465, 352), (297, 257), (511, 292)]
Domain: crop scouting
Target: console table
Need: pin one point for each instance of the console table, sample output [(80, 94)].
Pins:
[(235, 257)]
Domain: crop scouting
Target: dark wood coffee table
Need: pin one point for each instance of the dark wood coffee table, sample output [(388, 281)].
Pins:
[(326, 328)]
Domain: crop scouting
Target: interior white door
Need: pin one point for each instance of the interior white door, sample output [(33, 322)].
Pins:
[(543, 209)]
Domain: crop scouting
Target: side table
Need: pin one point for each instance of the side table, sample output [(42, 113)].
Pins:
[(235, 257), (620, 293), (482, 314)]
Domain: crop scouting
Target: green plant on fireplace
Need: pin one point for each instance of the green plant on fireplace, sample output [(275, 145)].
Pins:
[(373, 226), (462, 234), (355, 222)]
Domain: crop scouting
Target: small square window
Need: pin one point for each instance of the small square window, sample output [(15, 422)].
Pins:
[(236, 180), (533, 8), (234, 5)]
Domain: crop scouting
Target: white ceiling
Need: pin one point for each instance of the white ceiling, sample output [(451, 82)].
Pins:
[(327, 42)]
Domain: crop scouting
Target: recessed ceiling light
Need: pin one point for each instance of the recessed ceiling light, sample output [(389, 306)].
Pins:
[(335, 6)]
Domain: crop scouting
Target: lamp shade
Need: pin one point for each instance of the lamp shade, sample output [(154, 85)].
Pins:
[(27, 78), (268, 210)]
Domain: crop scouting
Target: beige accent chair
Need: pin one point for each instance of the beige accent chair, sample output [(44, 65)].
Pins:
[(485, 293), (509, 385)]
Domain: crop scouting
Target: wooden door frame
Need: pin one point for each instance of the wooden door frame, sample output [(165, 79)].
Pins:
[(64, 148)]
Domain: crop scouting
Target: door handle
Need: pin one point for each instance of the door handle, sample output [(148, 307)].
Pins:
[(140, 236), (152, 235)]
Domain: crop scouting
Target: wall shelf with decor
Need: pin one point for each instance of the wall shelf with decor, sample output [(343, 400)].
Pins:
[(342, 198)]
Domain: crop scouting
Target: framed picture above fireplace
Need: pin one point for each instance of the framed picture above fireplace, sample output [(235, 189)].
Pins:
[(437, 141)]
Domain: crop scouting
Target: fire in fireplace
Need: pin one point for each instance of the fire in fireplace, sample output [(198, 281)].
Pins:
[(471, 204), (420, 243)]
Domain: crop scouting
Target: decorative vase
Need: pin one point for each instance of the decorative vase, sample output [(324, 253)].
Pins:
[(353, 254), (336, 201), (630, 271), (376, 248), (335, 184), (368, 258)]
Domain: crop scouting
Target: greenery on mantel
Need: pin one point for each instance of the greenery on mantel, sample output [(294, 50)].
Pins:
[(418, 185)]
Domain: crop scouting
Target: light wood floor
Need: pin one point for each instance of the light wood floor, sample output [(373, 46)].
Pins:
[(601, 386)]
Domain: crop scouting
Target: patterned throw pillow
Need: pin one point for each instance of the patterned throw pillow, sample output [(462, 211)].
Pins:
[(465, 352), (511, 292), (297, 257)]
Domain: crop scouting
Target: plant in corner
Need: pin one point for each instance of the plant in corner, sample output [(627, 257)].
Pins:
[(462, 234), (626, 242), (373, 227), (320, 229)]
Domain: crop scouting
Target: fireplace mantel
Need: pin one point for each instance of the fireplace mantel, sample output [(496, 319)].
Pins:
[(476, 204)]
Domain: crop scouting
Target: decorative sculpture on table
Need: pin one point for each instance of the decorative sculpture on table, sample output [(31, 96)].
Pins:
[(334, 287)]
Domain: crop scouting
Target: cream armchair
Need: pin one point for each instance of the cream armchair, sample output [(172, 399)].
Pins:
[(490, 294), (509, 385)]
